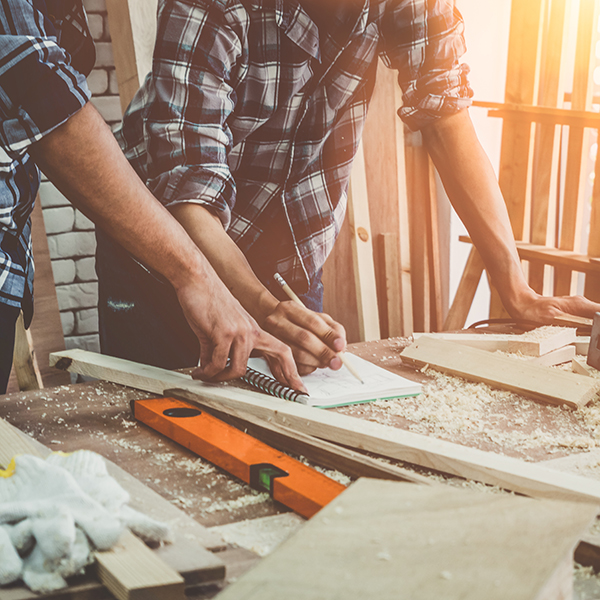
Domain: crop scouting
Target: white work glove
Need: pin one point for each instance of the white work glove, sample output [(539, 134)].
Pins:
[(54, 513)]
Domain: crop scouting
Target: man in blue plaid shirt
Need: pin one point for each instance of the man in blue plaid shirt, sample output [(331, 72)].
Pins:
[(246, 130), (46, 120)]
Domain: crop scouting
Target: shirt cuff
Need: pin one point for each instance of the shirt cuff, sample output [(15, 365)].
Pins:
[(44, 92), (210, 186)]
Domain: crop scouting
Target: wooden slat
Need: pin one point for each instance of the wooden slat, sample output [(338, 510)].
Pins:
[(133, 33), (131, 571), (465, 293), (25, 363), (322, 453), (545, 167), (46, 327), (526, 344), (341, 429), (548, 115), (575, 180), (362, 251), (541, 383), (395, 541)]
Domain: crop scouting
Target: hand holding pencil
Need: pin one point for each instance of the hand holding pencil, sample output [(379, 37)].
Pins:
[(338, 343)]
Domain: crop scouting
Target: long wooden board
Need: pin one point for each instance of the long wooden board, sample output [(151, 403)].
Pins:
[(131, 570), (535, 381), (509, 473), (525, 343), (322, 453), (396, 541)]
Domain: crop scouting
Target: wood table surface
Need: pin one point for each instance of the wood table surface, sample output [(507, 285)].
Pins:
[(97, 416)]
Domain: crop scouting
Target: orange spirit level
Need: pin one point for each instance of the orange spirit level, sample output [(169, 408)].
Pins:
[(290, 482)]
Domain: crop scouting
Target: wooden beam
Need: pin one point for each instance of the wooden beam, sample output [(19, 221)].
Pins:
[(24, 360), (362, 251), (130, 571), (133, 33), (391, 442), (465, 293), (537, 382), (526, 343), (322, 453)]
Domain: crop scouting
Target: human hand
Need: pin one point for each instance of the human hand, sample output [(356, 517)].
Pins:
[(544, 309), (226, 331), (315, 338)]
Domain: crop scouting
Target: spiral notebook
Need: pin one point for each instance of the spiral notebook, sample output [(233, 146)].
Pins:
[(328, 389)]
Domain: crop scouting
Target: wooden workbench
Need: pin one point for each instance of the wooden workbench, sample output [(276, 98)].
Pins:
[(96, 416)]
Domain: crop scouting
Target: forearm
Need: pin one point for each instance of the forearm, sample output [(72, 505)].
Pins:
[(471, 185), (229, 262), (83, 160)]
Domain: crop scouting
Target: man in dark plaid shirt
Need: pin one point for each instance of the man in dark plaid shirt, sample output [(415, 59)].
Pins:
[(46, 120), (246, 130)]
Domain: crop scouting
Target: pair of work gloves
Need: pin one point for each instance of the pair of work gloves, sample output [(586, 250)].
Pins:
[(55, 513)]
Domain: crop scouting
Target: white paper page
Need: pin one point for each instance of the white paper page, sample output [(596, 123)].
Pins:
[(327, 387)]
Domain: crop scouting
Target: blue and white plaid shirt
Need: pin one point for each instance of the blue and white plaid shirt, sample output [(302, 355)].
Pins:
[(39, 90), (253, 112)]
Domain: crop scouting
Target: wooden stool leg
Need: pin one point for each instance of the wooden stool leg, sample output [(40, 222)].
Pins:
[(459, 311)]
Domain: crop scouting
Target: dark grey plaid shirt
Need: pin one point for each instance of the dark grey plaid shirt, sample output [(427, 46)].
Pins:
[(39, 90), (253, 112)]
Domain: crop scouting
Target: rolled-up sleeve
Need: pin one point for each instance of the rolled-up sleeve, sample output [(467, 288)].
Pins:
[(188, 139), (39, 90), (423, 40)]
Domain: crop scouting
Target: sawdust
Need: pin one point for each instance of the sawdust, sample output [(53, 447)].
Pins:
[(542, 333), (474, 414)]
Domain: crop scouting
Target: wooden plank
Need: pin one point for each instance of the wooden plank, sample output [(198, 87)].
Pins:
[(131, 571), (537, 382), (46, 328), (555, 357), (465, 293), (548, 115), (338, 428), (25, 363), (454, 544), (545, 167), (554, 256), (521, 86), (322, 453), (578, 144), (527, 343), (362, 251), (383, 143), (133, 33)]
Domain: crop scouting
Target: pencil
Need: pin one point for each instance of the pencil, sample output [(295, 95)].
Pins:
[(293, 296)]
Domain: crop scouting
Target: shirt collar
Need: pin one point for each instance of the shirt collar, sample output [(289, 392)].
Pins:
[(293, 20)]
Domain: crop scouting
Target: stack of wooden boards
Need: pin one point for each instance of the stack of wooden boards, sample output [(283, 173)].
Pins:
[(475, 357)]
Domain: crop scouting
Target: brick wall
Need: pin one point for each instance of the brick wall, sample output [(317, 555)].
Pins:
[(70, 233)]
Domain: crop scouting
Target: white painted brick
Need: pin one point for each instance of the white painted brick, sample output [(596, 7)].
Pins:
[(86, 321), (96, 24), (72, 244), (68, 323), (86, 342), (82, 223), (85, 269), (59, 220), (77, 295), (64, 271), (98, 81), (104, 55), (113, 84), (51, 197), (92, 6), (109, 107)]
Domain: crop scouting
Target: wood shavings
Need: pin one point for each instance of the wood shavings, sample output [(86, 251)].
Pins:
[(476, 415), (232, 505)]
